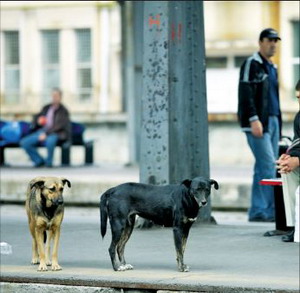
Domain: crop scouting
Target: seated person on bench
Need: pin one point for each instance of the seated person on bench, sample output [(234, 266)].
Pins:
[(50, 125), (288, 165)]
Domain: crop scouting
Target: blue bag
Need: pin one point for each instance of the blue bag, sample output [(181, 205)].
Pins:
[(11, 132)]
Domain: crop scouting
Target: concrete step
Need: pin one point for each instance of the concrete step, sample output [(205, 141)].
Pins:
[(88, 183)]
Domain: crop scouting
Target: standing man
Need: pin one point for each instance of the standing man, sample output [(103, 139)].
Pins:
[(260, 118), (51, 125)]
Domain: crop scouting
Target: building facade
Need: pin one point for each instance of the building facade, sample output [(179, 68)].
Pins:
[(77, 46), (73, 45), (232, 29)]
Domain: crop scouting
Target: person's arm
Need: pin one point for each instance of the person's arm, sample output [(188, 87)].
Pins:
[(257, 128), (247, 92), (36, 122)]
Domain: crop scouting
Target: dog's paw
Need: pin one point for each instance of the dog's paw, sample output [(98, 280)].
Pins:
[(56, 267), (48, 262), (128, 267), (125, 267), (35, 261), (121, 268), (42, 268), (184, 268)]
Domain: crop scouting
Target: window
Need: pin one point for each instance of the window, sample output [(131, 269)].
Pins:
[(296, 52), (239, 60), (83, 60), (50, 62), (11, 67), (216, 62)]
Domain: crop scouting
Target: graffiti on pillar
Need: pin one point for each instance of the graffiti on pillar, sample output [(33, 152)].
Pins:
[(176, 30), (176, 33), (155, 21)]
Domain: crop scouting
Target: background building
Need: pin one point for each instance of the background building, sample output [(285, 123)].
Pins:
[(232, 29), (76, 45)]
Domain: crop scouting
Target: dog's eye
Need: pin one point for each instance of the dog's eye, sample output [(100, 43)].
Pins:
[(52, 189)]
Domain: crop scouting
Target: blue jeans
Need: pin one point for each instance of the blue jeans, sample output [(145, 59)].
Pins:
[(30, 143), (265, 151)]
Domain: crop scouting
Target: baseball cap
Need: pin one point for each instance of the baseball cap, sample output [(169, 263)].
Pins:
[(269, 33)]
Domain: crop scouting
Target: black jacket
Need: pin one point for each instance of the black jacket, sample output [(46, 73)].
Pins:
[(61, 124), (253, 92), (294, 149)]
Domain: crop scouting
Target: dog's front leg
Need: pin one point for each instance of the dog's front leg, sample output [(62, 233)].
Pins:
[(56, 235), (35, 255), (49, 236), (39, 235), (186, 230), (178, 239)]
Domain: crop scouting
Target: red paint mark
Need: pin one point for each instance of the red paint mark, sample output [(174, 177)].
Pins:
[(173, 33), (176, 33), (154, 21), (179, 31)]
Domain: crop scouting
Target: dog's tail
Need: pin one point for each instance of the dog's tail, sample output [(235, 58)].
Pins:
[(103, 211)]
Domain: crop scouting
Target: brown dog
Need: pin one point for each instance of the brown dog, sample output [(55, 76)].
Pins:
[(45, 211)]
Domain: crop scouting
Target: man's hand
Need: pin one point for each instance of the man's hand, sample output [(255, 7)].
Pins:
[(282, 158), (287, 164), (42, 136), (257, 128), (42, 120)]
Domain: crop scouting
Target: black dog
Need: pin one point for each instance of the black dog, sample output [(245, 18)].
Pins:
[(174, 206)]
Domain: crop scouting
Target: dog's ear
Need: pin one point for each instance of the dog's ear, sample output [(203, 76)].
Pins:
[(187, 183), (64, 181), (37, 182), (215, 183)]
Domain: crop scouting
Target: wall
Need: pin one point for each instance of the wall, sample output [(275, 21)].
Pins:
[(227, 145)]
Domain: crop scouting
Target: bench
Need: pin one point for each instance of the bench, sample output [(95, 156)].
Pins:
[(77, 139), (280, 220)]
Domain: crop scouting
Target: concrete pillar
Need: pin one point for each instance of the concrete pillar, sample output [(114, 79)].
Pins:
[(174, 135)]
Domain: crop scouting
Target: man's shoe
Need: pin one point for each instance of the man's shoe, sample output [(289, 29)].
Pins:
[(289, 237), (260, 219), (274, 233), (41, 164), (271, 220), (256, 219)]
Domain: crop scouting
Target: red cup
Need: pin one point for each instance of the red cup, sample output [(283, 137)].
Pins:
[(42, 120)]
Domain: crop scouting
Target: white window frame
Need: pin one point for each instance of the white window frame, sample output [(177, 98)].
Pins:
[(49, 66), (16, 67), (83, 65)]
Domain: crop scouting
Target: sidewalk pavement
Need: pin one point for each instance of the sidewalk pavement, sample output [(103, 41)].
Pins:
[(232, 256)]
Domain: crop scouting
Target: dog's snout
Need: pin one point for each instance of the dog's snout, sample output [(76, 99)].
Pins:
[(203, 202), (58, 201)]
